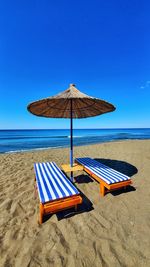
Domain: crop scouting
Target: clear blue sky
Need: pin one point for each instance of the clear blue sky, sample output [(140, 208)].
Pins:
[(101, 46)]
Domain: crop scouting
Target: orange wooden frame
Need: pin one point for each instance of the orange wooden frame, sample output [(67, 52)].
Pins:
[(104, 187), (58, 205)]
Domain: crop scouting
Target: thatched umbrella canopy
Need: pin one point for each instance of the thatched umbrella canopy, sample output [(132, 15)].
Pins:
[(61, 105), (72, 104)]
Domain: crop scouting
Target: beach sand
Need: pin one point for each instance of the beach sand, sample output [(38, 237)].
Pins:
[(110, 231)]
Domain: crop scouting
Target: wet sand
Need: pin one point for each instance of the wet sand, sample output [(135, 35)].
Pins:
[(110, 231)]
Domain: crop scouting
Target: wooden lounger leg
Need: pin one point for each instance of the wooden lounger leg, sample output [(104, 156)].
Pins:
[(102, 190), (41, 213)]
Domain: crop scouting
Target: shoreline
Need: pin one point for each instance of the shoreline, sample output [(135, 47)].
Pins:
[(63, 147), (112, 231)]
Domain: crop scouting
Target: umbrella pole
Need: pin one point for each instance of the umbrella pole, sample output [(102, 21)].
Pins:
[(71, 140)]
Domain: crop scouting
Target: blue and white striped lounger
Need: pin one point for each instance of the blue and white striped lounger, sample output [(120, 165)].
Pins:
[(56, 192), (108, 177)]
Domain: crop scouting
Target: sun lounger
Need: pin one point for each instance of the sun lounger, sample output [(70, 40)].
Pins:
[(56, 192), (108, 178)]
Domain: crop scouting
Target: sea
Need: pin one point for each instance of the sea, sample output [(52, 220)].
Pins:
[(12, 141)]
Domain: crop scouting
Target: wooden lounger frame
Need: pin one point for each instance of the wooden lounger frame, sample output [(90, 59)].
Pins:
[(104, 187), (58, 205)]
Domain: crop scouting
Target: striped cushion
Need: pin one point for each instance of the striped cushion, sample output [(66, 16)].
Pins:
[(52, 183), (110, 176)]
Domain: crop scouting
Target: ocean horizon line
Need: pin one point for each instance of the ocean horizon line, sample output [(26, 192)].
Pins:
[(28, 129)]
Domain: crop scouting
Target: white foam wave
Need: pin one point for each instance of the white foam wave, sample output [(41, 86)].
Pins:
[(75, 136), (30, 150)]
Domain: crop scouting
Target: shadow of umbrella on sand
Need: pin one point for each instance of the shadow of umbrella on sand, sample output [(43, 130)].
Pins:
[(71, 104)]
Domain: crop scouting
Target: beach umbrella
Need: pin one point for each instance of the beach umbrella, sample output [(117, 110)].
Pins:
[(71, 104)]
